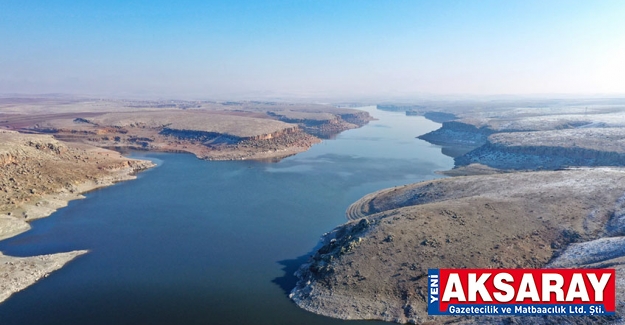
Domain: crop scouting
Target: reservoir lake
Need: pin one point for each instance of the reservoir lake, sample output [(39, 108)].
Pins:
[(213, 242)]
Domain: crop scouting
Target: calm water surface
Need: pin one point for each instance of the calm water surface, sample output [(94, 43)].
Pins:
[(198, 242)]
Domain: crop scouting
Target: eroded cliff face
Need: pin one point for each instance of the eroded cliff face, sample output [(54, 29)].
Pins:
[(458, 133), (270, 148), (213, 135), (538, 157), (208, 129), (208, 136), (457, 138), (359, 118), (221, 138), (339, 124), (569, 145), (550, 149), (324, 125)]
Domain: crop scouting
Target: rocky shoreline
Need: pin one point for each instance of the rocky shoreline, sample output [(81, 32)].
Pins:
[(376, 267), (527, 140), (20, 272), (39, 176), (55, 158), (514, 202), (550, 149)]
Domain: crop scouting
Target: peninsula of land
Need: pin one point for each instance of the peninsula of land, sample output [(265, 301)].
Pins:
[(209, 130)]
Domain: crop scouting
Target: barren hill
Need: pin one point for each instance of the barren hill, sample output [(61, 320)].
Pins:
[(210, 130), (375, 267), (39, 174)]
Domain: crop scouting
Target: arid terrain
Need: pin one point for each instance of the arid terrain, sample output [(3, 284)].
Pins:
[(54, 149), (210, 130), (538, 185), (529, 129), (40, 175), (523, 196), (375, 267)]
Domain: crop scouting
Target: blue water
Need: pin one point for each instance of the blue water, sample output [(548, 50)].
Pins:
[(199, 242)]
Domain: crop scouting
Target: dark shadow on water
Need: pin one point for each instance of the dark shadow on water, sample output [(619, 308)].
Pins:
[(456, 151), (453, 151), (288, 280)]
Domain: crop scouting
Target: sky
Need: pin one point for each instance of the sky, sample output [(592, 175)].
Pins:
[(305, 48)]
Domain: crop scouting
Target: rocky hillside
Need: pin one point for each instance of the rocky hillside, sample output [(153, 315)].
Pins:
[(533, 138), (39, 174), (550, 149), (210, 130), (457, 133), (375, 267), (324, 124), (34, 166), (207, 135)]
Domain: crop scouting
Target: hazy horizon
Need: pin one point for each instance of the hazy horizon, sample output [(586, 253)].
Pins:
[(314, 49)]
